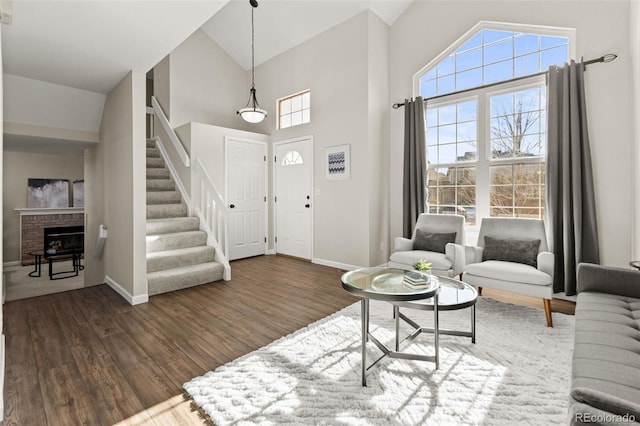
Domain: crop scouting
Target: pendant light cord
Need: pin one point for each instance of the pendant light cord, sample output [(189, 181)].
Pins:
[(252, 51)]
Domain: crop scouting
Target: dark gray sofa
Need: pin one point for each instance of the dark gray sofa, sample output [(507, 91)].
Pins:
[(605, 378)]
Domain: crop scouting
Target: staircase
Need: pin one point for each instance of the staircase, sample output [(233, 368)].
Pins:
[(177, 252)]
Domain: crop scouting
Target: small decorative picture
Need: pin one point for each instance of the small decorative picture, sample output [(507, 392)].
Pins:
[(337, 162), (78, 193), (48, 193)]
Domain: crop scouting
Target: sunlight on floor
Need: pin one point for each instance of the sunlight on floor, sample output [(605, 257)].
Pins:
[(173, 411), (19, 285)]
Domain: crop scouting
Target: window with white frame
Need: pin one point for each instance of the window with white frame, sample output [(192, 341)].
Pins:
[(486, 147), (294, 110)]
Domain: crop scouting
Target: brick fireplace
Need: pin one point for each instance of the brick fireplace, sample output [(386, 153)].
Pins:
[(32, 230)]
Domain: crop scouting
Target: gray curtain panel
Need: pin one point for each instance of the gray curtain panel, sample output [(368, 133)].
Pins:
[(570, 208), (415, 164)]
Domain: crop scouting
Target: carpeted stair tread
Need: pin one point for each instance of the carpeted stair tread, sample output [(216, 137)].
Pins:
[(172, 225), (175, 240), (159, 211), (151, 143), (163, 197), (153, 162), (158, 173), (153, 153), (184, 277), (170, 259), (160, 185)]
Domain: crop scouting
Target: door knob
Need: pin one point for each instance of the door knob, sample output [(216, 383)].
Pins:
[(307, 205), (232, 206)]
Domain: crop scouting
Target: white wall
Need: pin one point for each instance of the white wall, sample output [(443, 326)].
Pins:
[(60, 109), (634, 19), (18, 168), (335, 66), (427, 28), (207, 85), (124, 152)]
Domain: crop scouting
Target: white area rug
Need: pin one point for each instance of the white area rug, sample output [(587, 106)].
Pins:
[(517, 373)]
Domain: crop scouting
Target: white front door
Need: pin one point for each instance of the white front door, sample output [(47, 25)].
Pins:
[(293, 171), (246, 168)]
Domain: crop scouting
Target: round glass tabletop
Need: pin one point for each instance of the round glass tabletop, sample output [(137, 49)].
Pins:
[(390, 284), (453, 295)]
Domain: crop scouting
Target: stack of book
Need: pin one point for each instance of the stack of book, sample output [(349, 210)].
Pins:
[(416, 279)]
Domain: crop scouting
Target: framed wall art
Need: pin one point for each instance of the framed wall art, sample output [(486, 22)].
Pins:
[(47, 193), (337, 162)]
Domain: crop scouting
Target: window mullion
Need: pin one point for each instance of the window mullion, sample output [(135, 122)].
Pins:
[(483, 178)]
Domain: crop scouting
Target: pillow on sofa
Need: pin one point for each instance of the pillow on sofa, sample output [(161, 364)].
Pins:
[(432, 241), (507, 250)]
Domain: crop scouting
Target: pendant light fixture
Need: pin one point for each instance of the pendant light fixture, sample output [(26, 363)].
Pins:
[(252, 112)]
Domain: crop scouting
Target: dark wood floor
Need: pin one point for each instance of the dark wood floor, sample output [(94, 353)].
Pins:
[(87, 357)]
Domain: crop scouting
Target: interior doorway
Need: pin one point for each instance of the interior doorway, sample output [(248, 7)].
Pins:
[(246, 180), (293, 183)]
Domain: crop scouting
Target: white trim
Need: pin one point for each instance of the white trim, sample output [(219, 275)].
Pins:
[(182, 153), (311, 189), (265, 146), (336, 265), (2, 373), (11, 264), (133, 300), (174, 175), (270, 252), (43, 211)]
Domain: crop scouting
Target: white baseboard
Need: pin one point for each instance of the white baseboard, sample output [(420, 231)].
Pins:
[(133, 300), (333, 264), (270, 252), (9, 264), (2, 367)]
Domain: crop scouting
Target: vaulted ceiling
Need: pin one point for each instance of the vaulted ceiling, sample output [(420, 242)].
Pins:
[(93, 44)]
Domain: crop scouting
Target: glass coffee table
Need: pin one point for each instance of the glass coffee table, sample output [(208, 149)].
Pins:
[(453, 295), (388, 284)]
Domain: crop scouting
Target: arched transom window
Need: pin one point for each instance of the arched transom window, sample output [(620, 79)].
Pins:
[(486, 121), (292, 158)]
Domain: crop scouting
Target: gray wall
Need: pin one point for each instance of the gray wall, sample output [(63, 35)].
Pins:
[(634, 19), (348, 102), (18, 168), (123, 157), (427, 28)]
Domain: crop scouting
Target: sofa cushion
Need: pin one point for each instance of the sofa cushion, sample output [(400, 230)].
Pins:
[(433, 241), (606, 356), (510, 250), (509, 271), (437, 260)]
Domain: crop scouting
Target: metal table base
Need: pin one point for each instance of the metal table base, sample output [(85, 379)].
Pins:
[(397, 353)]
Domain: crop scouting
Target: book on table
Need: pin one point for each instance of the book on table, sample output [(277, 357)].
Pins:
[(416, 279)]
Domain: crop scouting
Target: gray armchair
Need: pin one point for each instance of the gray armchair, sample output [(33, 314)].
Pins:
[(513, 257), (433, 231)]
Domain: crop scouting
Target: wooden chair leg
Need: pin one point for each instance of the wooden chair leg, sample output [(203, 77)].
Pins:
[(547, 311)]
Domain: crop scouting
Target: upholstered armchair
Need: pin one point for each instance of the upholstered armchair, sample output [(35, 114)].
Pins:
[(437, 238), (512, 255)]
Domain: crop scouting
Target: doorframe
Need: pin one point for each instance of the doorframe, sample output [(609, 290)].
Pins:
[(311, 190), (265, 150)]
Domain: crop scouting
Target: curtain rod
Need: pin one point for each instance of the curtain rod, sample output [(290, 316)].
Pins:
[(609, 57)]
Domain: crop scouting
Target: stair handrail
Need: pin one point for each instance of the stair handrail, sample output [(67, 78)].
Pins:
[(173, 137), (211, 209)]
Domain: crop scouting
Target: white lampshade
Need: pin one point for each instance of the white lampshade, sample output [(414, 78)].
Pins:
[(252, 115)]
